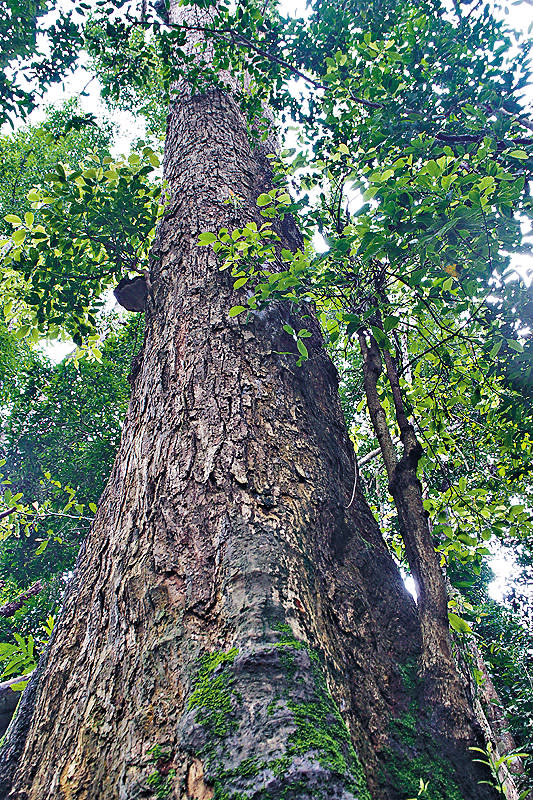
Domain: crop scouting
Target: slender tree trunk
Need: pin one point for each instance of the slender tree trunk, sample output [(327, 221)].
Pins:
[(442, 684), (235, 627)]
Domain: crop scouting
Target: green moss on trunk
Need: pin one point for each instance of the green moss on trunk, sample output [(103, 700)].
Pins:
[(266, 726), (414, 764)]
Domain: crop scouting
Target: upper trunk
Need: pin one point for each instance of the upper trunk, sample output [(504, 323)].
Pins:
[(229, 615)]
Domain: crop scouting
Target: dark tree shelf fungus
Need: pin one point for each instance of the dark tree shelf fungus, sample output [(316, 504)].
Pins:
[(131, 293)]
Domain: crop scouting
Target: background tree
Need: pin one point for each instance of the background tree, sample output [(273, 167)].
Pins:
[(59, 435), (67, 135)]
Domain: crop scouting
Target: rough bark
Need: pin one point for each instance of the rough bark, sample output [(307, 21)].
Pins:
[(235, 627), (489, 709), (449, 688)]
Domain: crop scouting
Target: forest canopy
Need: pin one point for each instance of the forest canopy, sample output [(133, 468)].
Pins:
[(406, 158)]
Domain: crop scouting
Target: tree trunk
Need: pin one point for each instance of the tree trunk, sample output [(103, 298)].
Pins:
[(444, 689), (233, 628)]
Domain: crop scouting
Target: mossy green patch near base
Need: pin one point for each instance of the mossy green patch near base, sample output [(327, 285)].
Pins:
[(213, 691), (406, 773), (320, 728), (414, 765), (313, 739)]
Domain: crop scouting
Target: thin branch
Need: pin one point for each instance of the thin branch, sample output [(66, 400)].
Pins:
[(42, 514), (238, 38), (5, 514), (355, 482), (369, 456), (521, 121), (8, 609), (61, 514), (373, 453)]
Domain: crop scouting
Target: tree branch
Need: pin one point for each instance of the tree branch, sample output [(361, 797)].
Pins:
[(5, 514)]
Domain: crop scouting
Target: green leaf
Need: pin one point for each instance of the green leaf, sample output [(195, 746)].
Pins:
[(370, 192), (19, 236), (93, 507), (302, 349), (13, 219), (447, 285), (240, 282), (496, 349), (381, 338), (458, 623), (21, 332), (206, 238), (521, 154), (514, 345), (19, 686), (390, 322), (235, 310), (264, 200)]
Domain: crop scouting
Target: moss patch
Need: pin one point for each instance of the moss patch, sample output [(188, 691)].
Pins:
[(410, 679), (295, 747), (161, 779), (213, 691), (405, 773), (320, 728), (414, 755)]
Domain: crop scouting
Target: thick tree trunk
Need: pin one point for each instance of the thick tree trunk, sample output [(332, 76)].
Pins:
[(233, 628)]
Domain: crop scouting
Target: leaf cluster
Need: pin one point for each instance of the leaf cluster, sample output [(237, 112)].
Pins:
[(87, 228), (34, 55)]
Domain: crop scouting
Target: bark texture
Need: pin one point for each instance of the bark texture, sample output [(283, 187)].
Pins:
[(233, 628)]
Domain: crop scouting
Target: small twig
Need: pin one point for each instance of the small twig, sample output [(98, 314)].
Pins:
[(60, 514), (43, 514), (5, 514), (369, 456), (373, 453), (521, 121), (21, 167), (91, 79), (474, 7)]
